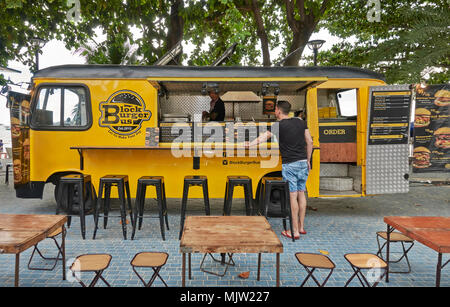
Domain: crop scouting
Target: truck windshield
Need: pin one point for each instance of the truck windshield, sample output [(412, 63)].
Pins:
[(60, 107)]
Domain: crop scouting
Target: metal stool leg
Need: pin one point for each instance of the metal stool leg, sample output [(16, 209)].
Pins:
[(142, 204), (81, 194), (229, 198), (70, 192), (248, 199), (106, 204), (166, 214), (97, 208), (183, 207), (160, 209), (123, 211), (206, 197), (225, 197), (137, 210), (130, 208)]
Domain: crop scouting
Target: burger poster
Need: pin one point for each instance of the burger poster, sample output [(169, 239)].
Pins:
[(269, 103), (20, 136), (432, 129)]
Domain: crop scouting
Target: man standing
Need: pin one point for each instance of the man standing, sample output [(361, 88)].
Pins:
[(295, 145), (217, 108)]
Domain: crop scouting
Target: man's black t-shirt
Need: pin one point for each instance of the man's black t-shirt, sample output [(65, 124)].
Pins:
[(219, 109), (292, 140)]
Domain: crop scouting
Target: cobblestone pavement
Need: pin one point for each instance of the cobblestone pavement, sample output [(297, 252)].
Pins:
[(338, 226)]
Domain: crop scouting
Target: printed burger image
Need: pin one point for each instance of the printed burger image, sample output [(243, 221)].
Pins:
[(442, 138), (421, 157), (442, 98), (422, 117)]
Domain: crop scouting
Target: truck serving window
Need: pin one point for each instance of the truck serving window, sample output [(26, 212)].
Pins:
[(61, 108)]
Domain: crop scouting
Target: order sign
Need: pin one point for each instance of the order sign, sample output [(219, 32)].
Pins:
[(389, 117)]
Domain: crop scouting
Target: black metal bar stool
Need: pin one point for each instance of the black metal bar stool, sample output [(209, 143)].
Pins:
[(235, 181), (106, 182), (268, 184), (158, 183), (193, 181), (82, 182)]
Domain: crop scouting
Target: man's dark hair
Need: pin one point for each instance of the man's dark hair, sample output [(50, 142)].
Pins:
[(284, 106)]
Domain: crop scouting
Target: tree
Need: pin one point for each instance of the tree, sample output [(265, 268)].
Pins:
[(409, 42), (274, 23)]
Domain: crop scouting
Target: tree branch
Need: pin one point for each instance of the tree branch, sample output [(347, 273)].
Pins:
[(290, 16), (261, 32)]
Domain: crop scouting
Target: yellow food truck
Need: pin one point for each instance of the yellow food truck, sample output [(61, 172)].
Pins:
[(147, 121)]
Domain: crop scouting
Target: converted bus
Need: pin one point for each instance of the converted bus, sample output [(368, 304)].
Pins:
[(146, 120)]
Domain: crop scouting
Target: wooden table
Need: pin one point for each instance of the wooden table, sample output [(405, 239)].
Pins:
[(229, 234), (433, 232), (20, 232)]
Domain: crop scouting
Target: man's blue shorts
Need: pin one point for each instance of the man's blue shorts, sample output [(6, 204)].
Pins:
[(296, 173)]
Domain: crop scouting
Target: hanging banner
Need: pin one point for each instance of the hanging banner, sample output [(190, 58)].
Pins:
[(20, 136), (432, 129)]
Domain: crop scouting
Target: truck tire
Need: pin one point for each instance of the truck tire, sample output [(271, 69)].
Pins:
[(89, 205)]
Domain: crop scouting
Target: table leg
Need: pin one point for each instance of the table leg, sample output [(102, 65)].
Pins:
[(259, 267), (438, 271), (183, 270), (278, 269), (387, 251), (63, 248), (190, 274), (16, 280)]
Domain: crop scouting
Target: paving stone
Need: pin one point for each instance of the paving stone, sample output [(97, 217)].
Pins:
[(338, 226)]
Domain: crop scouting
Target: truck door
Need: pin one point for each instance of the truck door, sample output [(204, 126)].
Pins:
[(387, 167), (19, 105), (312, 185)]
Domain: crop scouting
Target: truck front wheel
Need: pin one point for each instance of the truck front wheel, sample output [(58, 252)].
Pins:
[(88, 203)]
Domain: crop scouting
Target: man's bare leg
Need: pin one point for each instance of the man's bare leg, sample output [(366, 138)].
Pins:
[(295, 213), (301, 211)]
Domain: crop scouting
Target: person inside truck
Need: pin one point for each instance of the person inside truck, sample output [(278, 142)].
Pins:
[(217, 108), (295, 145)]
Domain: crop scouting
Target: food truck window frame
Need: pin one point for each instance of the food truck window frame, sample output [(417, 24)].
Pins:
[(61, 127)]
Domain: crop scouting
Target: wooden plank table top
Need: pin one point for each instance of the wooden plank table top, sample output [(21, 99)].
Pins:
[(431, 231), (229, 234)]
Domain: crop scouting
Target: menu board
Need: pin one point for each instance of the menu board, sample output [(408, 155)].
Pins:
[(389, 117), (432, 129), (152, 137)]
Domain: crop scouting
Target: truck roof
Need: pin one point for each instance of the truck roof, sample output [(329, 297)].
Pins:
[(144, 72)]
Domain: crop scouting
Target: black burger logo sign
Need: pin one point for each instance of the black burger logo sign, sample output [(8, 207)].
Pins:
[(123, 113)]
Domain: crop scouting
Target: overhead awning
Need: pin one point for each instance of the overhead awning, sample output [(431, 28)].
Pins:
[(285, 86)]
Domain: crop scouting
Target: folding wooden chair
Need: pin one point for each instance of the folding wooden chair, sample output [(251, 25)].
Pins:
[(52, 236), (96, 263), (360, 262), (152, 260), (396, 237), (315, 261)]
